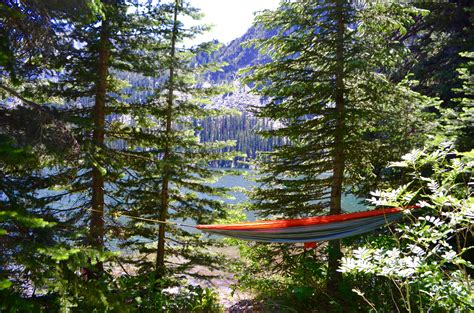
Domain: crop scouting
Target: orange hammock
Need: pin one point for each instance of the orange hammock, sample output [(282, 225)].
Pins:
[(311, 229)]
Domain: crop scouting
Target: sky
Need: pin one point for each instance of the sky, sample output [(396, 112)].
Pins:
[(230, 18)]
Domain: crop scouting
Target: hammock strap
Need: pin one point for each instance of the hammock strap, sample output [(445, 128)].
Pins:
[(145, 219)]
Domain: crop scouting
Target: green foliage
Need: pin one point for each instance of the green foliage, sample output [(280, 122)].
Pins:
[(27, 36), (28, 226), (5, 283), (170, 298), (436, 40), (168, 176), (45, 197), (55, 279), (429, 261), (381, 116), (456, 123), (303, 288), (243, 129), (335, 103), (262, 277)]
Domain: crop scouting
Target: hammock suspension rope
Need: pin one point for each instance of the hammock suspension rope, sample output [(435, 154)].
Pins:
[(307, 230)]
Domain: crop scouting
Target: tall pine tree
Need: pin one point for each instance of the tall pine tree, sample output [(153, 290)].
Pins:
[(36, 237), (436, 41), (342, 115), (171, 178)]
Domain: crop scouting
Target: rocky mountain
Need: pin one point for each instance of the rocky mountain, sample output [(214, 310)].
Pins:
[(237, 55), (242, 127), (239, 99)]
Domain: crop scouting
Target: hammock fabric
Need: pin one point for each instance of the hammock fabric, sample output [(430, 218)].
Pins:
[(311, 229)]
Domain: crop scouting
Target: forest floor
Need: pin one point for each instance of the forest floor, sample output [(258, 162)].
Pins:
[(223, 282)]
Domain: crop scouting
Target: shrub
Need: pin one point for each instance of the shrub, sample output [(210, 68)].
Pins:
[(427, 261)]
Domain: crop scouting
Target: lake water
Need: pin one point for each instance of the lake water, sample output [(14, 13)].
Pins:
[(349, 202), (245, 179)]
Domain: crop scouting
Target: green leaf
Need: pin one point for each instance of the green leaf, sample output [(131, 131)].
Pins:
[(5, 283)]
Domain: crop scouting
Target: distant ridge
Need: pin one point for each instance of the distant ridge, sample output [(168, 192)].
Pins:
[(242, 128), (237, 56)]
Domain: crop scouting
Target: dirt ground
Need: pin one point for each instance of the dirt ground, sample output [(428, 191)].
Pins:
[(223, 282)]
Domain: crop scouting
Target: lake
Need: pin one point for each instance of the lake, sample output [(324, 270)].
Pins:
[(349, 202), (243, 180)]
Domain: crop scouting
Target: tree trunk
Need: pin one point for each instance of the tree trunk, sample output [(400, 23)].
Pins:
[(335, 254), (160, 253), (97, 215)]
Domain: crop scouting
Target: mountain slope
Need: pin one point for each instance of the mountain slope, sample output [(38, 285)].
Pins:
[(237, 56), (243, 127)]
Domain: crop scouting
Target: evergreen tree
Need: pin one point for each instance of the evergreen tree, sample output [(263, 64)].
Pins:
[(242, 128), (436, 40), (97, 59), (456, 124), (82, 71), (35, 238), (343, 117), (171, 179), (128, 141)]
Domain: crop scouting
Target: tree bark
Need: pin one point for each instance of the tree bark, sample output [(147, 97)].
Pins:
[(97, 230), (160, 253), (334, 256)]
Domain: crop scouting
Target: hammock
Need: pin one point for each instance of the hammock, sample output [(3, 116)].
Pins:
[(311, 229)]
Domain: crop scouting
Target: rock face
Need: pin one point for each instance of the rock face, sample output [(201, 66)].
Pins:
[(242, 126), (240, 99), (237, 56)]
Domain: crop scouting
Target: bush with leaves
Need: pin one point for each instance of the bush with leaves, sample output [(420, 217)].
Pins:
[(173, 295), (427, 260), (457, 123)]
